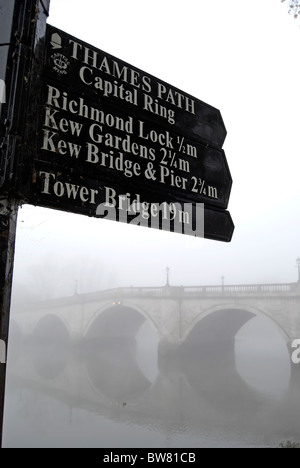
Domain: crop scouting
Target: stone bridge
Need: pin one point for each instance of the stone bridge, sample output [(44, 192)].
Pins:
[(82, 350), (173, 312)]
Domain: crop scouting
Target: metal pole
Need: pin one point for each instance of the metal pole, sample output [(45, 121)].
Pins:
[(7, 10), (168, 276), (6, 20), (8, 222), (22, 35), (298, 266), (8, 209)]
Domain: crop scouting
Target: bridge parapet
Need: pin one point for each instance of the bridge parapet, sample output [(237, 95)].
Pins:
[(176, 291), (242, 289), (173, 311)]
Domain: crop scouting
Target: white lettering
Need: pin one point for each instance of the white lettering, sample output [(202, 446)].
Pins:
[(164, 139), (176, 98), (60, 189), (61, 147)]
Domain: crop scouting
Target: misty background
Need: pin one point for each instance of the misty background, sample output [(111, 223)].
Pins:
[(242, 59)]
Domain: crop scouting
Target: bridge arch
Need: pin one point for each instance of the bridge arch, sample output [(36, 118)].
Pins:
[(52, 327), (110, 350), (117, 306), (211, 337), (50, 346), (246, 308)]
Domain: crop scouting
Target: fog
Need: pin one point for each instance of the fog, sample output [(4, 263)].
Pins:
[(106, 348), (91, 361)]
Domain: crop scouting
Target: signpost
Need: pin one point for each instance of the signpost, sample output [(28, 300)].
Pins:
[(84, 132), (22, 27), (97, 125)]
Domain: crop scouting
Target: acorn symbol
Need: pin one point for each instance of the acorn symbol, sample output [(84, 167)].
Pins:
[(56, 41)]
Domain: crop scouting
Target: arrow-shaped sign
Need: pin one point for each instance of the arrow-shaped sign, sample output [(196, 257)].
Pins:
[(105, 79), (218, 225), (95, 141), (116, 202)]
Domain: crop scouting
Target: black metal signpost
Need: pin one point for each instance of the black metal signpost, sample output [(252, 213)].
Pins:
[(102, 133), (22, 29), (7, 212), (85, 132)]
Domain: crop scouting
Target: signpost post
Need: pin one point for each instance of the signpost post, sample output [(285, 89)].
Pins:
[(21, 27), (6, 21), (84, 132), (8, 219), (7, 212)]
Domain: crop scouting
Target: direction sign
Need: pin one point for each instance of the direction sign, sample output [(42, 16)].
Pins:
[(87, 142), (96, 140), (107, 80), (124, 203)]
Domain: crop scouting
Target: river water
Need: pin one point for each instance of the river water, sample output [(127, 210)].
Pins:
[(116, 392)]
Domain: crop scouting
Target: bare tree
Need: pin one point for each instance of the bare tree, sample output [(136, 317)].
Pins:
[(293, 7)]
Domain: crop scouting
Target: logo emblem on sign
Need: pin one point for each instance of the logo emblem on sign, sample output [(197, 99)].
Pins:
[(60, 63)]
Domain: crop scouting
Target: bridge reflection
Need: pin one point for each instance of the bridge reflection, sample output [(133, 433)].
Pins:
[(195, 384), (208, 360), (160, 356)]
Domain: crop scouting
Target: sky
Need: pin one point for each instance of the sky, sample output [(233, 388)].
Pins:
[(240, 57)]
